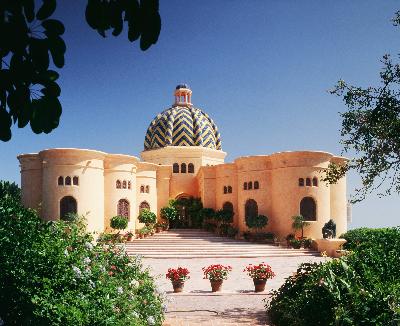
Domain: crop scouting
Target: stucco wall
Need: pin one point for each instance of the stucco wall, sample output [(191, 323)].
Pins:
[(89, 194), (119, 168)]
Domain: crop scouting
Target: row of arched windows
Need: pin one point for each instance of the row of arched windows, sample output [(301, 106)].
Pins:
[(123, 185), (249, 185), (227, 189), (144, 189), (190, 168), (308, 182), (308, 208), (68, 181)]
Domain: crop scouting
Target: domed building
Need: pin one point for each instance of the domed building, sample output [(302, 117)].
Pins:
[(183, 158)]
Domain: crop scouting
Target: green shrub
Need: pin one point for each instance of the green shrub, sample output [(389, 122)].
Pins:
[(119, 222), (208, 213), (224, 216), (307, 243), (295, 243), (169, 213), (362, 288), (147, 217), (8, 189), (361, 236), (53, 274), (256, 222), (232, 231)]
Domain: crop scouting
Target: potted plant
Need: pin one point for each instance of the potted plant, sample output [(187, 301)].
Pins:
[(307, 243), (159, 227), (142, 232), (147, 217), (256, 222), (260, 274), (216, 274), (299, 223), (295, 243), (289, 238), (129, 236), (178, 277), (119, 223)]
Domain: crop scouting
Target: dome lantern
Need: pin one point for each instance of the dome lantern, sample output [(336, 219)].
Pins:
[(183, 95)]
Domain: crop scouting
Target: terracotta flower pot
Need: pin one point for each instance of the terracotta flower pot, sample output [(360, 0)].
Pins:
[(216, 285), (178, 286), (259, 285)]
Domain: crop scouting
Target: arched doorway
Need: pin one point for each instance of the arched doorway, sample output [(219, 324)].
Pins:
[(68, 205), (251, 208), (308, 209), (189, 212)]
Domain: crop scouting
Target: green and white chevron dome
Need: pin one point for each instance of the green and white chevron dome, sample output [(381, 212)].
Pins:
[(182, 126)]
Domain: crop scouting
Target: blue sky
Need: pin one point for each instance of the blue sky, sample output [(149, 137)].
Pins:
[(260, 68)]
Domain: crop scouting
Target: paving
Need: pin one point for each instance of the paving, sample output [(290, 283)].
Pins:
[(236, 304)]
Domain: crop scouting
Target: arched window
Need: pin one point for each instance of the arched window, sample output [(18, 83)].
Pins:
[(225, 190), (256, 185), (124, 184), (228, 206), (75, 181), (250, 185), (315, 182), (175, 168), (144, 205), (60, 181), (118, 184), (190, 168), (123, 208), (301, 182), (308, 182), (229, 189), (147, 189), (183, 168), (308, 209), (142, 189), (129, 185), (68, 205), (68, 181), (251, 208), (245, 186)]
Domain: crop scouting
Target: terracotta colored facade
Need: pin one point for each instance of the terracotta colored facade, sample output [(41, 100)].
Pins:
[(183, 158)]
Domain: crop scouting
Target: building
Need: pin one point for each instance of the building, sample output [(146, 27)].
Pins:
[(183, 157)]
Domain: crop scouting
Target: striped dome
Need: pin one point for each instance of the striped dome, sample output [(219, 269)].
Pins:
[(182, 126)]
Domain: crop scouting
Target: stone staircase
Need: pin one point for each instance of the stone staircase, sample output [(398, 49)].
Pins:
[(193, 243)]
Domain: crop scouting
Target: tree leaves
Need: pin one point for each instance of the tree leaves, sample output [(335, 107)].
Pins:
[(47, 9), (371, 129), (143, 19), (27, 87)]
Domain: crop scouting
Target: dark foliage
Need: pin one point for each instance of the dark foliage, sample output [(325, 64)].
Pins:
[(31, 43), (329, 229), (362, 288), (371, 131)]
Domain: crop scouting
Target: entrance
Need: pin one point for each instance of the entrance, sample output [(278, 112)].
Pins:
[(189, 213)]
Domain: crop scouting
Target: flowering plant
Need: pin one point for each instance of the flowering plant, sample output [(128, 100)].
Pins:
[(259, 272), (216, 272), (179, 274)]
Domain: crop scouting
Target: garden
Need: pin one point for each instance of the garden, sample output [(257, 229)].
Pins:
[(361, 288), (53, 273)]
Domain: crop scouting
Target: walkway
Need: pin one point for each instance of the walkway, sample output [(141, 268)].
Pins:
[(237, 304)]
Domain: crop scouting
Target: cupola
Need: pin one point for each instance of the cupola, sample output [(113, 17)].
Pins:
[(183, 95)]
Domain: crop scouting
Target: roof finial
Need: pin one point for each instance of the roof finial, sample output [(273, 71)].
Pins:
[(183, 95)]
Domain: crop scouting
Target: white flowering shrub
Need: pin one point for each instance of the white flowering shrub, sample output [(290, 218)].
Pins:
[(52, 274)]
